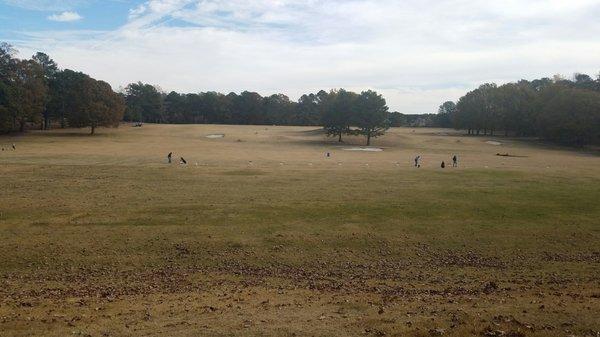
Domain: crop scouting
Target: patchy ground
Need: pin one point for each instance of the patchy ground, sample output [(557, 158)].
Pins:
[(266, 236)]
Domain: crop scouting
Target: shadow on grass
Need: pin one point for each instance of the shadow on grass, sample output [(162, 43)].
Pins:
[(70, 134)]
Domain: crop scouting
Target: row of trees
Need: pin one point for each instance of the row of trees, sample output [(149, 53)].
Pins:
[(36, 92), (340, 112), (560, 110)]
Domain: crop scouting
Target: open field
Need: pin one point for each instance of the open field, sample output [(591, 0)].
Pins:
[(262, 235)]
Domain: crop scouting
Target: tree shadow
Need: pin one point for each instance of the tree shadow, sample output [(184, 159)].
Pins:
[(70, 134)]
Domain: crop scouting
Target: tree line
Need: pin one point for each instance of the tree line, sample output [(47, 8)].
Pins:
[(340, 112), (565, 111), (35, 92)]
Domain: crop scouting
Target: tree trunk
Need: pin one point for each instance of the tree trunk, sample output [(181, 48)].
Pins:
[(340, 137), (93, 129), (22, 126), (368, 139)]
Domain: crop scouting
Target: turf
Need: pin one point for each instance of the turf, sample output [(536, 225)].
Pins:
[(261, 234)]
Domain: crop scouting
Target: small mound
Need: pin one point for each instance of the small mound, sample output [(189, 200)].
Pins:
[(367, 149), (492, 142), (216, 135)]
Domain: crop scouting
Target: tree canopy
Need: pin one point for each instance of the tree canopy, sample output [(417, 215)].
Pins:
[(340, 112), (556, 109), (36, 91), (371, 116)]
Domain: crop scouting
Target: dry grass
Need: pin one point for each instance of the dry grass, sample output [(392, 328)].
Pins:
[(101, 237)]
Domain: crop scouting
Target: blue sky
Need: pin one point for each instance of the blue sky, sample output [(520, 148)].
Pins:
[(18, 16), (417, 53)]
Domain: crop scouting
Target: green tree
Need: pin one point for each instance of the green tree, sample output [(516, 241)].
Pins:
[(445, 114), (174, 105), (50, 69), (514, 108), (65, 95), (144, 103), (278, 109), (99, 106), (247, 108), (337, 110), (569, 116), (307, 110), (6, 75), (371, 115), (26, 93)]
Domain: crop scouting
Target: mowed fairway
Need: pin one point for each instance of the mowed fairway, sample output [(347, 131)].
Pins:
[(262, 235)]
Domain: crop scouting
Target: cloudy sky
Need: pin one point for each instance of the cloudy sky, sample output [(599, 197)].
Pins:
[(417, 53)]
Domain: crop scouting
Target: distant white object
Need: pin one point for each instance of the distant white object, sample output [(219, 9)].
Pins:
[(216, 135), (367, 149), (492, 142)]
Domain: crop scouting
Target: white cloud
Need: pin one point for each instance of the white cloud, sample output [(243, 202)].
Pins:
[(66, 16), (417, 53)]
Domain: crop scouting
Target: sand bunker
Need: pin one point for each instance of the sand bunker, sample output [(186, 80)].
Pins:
[(216, 135), (368, 149), (492, 142)]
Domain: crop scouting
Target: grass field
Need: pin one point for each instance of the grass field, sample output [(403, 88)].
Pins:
[(262, 235)]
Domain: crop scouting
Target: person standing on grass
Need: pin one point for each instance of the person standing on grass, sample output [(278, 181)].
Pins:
[(169, 156), (417, 161), (14, 146), (443, 164), (454, 161)]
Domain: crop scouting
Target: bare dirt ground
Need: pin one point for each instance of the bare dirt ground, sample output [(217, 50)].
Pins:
[(262, 235)]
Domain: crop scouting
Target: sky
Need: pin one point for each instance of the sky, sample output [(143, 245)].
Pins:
[(417, 53)]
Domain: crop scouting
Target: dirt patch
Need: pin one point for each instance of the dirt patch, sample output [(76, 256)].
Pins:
[(366, 149)]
